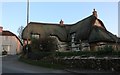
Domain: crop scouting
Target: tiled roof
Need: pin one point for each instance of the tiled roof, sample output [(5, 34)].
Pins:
[(8, 33)]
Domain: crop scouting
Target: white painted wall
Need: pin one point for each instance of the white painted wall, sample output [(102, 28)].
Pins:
[(0, 45), (74, 47), (11, 43)]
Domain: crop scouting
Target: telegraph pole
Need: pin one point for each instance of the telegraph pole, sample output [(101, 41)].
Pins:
[(27, 24), (27, 12)]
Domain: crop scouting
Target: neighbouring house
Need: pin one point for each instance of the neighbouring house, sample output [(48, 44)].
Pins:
[(87, 34), (9, 42)]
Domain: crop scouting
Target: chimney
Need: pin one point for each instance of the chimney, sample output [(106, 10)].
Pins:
[(61, 23), (95, 13), (1, 29)]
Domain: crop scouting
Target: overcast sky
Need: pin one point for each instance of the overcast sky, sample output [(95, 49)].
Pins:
[(14, 13)]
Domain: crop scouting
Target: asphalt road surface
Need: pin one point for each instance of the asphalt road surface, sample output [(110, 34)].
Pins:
[(10, 64)]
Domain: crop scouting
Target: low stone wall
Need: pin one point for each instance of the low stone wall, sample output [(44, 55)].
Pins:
[(101, 64)]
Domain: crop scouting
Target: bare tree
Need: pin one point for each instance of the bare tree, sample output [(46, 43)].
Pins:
[(20, 29)]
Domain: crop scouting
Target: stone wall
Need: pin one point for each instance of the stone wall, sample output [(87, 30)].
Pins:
[(62, 46)]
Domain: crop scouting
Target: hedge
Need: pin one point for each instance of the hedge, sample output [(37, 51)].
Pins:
[(88, 53)]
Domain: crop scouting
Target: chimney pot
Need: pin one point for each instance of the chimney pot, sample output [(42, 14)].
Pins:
[(95, 13), (61, 23)]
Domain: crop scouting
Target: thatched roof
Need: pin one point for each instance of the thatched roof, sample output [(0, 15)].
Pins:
[(85, 30), (98, 34), (45, 29)]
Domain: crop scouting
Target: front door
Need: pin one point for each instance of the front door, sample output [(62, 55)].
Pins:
[(6, 48)]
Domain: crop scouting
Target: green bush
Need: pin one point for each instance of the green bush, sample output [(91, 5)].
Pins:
[(107, 50), (80, 53), (26, 49), (47, 44), (40, 48), (100, 53), (38, 55)]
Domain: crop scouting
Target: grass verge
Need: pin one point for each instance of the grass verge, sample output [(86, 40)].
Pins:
[(41, 63)]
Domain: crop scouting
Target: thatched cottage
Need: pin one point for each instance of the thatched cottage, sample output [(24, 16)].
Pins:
[(87, 34)]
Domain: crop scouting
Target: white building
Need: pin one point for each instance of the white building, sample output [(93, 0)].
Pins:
[(9, 42)]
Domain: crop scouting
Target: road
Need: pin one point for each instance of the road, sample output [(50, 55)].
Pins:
[(10, 64)]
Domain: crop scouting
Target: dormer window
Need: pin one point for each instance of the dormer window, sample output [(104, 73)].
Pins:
[(73, 35), (35, 35)]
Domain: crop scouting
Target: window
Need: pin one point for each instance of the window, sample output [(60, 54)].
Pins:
[(6, 47), (73, 35), (37, 36)]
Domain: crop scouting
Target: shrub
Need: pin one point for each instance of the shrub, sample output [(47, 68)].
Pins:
[(40, 48), (45, 45), (26, 49), (79, 53), (38, 55), (107, 50)]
